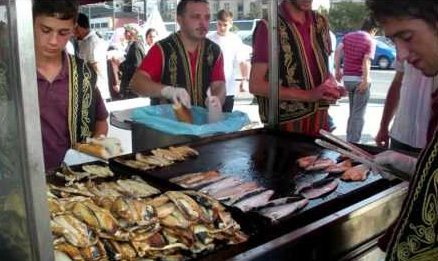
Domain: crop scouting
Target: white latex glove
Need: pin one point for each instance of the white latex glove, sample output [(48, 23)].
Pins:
[(177, 95), (398, 161), (214, 108)]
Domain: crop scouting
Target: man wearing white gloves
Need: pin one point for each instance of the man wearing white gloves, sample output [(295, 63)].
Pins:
[(185, 66), (413, 26)]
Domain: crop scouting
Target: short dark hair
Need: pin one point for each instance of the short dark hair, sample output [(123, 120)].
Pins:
[(426, 10), (181, 7), (369, 24), (149, 31), (223, 15), (61, 9), (83, 21)]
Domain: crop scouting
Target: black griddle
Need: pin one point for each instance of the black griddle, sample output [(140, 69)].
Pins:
[(267, 157)]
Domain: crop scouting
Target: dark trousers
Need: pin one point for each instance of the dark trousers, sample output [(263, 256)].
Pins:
[(228, 104)]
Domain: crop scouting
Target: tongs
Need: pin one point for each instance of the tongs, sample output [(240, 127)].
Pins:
[(357, 154)]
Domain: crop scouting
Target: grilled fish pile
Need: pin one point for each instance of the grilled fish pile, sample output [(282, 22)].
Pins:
[(244, 195), (159, 158), (89, 171), (130, 220)]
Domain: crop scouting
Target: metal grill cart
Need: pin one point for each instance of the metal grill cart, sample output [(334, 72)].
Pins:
[(343, 225)]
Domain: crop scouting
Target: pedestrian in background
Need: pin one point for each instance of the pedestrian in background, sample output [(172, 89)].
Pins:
[(406, 101), (358, 50), (134, 55), (234, 58), (306, 85), (151, 37), (93, 50)]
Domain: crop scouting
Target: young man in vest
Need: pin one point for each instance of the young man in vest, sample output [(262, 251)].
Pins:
[(306, 85), (71, 108), (185, 67), (413, 26)]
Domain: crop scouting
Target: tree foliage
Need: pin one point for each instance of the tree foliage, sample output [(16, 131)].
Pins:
[(347, 16)]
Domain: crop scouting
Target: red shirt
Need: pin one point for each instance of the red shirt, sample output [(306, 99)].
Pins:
[(152, 64), (356, 46), (53, 105), (260, 48)]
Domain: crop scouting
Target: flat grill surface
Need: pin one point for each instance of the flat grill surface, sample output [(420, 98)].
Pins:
[(268, 158)]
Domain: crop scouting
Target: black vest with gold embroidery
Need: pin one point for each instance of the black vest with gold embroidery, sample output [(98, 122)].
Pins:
[(82, 100), (416, 233), (294, 70), (176, 67)]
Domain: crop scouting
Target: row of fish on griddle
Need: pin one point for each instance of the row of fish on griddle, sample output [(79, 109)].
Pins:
[(128, 219), (158, 157), (247, 196), (345, 167)]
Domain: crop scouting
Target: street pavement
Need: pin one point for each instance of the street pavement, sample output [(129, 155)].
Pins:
[(339, 112)]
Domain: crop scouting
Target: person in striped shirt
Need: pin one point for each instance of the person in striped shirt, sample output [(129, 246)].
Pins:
[(358, 49)]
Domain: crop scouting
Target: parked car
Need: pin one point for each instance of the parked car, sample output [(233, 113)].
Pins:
[(385, 54)]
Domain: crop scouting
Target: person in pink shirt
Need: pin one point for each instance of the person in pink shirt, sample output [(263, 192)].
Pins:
[(306, 85), (358, 49)]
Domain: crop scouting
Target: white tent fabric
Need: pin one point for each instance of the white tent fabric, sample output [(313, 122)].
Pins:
[(155, 21)]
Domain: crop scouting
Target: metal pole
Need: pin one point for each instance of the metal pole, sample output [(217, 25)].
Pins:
[(273, 65), (145, 5), (114, 15)]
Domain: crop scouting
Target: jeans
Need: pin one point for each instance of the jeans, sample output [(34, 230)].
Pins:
[(358, 105)]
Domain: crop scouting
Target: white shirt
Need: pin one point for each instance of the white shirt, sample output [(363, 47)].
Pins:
[(232, 51), (414, 109), (93, 49)]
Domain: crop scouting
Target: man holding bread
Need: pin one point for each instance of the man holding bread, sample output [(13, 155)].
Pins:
[(71, 107), (185, 67)]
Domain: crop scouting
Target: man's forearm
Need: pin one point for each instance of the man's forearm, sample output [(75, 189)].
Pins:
[(142, 84), (366, 69), (218, 89), (100, 128), (392, 100)]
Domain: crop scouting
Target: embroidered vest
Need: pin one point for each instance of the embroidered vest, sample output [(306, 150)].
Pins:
[(416, 233), (177, 69), (294, 70), (82, 99)]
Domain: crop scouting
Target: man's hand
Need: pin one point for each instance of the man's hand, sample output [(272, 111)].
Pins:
[(214, 107), (213, 103), (363, 86), (339, 74), (382, 138), (397, 161), (177, 95), (328, 91)]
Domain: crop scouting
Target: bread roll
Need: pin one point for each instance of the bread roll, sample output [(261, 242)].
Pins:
[(182, 113), (93, 150)]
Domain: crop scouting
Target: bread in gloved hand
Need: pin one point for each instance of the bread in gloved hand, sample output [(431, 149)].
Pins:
[(93, 149), (182, 113)]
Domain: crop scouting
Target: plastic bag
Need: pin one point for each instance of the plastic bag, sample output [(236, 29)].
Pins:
[(162, 118)]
